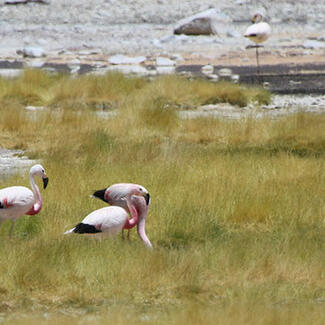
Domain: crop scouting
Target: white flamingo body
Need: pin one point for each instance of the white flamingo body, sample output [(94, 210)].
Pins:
[(16, 201), (108, 221), (129, 200), (258, 32)]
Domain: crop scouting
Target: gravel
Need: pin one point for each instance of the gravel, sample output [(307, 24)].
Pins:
[(146, 26)]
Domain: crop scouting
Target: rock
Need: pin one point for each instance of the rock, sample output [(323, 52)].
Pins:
[(310, 44), (166, 62), (225, 72), (213, 77), (122, 59), (177, 57), (34, 64), (15, 2), (165, 69), (207, 69), (11, 73), (203, 23), (131, 69), (32, 52)]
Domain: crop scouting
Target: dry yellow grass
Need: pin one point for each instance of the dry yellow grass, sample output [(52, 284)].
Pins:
[(237, 218)]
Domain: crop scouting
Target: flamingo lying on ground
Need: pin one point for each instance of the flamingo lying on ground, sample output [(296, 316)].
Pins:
[(258, 32), (111, 220), (115, 194), (16, 201)]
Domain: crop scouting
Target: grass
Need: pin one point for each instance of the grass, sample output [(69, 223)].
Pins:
[(236, 219)]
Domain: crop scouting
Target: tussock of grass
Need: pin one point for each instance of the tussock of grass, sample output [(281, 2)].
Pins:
[(236, 219)]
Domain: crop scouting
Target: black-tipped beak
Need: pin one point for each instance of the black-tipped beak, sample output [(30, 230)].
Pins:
[(100, 194), (147, 197), (45, 182)]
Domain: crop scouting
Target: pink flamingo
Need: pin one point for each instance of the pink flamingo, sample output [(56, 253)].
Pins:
[(111, 220), (115, 194), (16, 201)]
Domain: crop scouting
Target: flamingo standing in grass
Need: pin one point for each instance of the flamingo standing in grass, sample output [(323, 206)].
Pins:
[(115, 194), (16, 201), (111, 220)]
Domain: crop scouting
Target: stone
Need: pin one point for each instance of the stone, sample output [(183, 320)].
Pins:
[(32, 52), (122, 59), (225, 72), (34, 64), (310, 44), (203, 23), (15, 2), (130, 69), (165, 69), (166, 62), (207, 69)]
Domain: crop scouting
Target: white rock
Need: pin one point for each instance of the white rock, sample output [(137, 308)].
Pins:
[(213, 77), (122, 59), (207, 69), (177, 57), (32, 52), (225, 72), (203, 23), (165, 62), (15, 2), (131, 69), (34, 64), (310, 44), (165, 70), (11, 73)]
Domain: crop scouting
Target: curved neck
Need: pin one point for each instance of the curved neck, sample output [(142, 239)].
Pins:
[(37, 195), (142, 208), (130, 223)]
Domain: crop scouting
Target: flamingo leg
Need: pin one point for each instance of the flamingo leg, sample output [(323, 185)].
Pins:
[(123, 234), (128, 235)]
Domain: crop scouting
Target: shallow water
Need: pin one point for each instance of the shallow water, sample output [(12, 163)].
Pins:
[(13, 162)]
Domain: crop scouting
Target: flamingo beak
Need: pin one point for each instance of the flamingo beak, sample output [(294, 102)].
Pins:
[(147, 198), (45, 181), (100, 194)]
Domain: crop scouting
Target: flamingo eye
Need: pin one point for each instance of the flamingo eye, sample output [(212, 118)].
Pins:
[(140, 189), (43, 171)]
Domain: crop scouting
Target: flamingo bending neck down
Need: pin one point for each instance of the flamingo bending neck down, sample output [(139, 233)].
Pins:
[(115, 195), (16, 201), (111, 220)]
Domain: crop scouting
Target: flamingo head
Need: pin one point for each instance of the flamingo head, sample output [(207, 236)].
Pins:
[(258, 15), (40, 172), (118, 192)]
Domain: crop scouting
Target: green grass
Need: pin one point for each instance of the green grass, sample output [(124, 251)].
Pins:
[(236, 219)]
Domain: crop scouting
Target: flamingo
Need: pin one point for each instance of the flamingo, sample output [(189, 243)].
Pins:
[(111, 220), (258, 32), (16, 201), (115, 194)]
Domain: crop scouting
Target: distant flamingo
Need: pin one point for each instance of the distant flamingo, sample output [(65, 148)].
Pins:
[(115, 194), (16, 201), (111, 220), (258, 32)]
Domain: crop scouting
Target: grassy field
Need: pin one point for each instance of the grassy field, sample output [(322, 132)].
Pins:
[(237, 216)]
